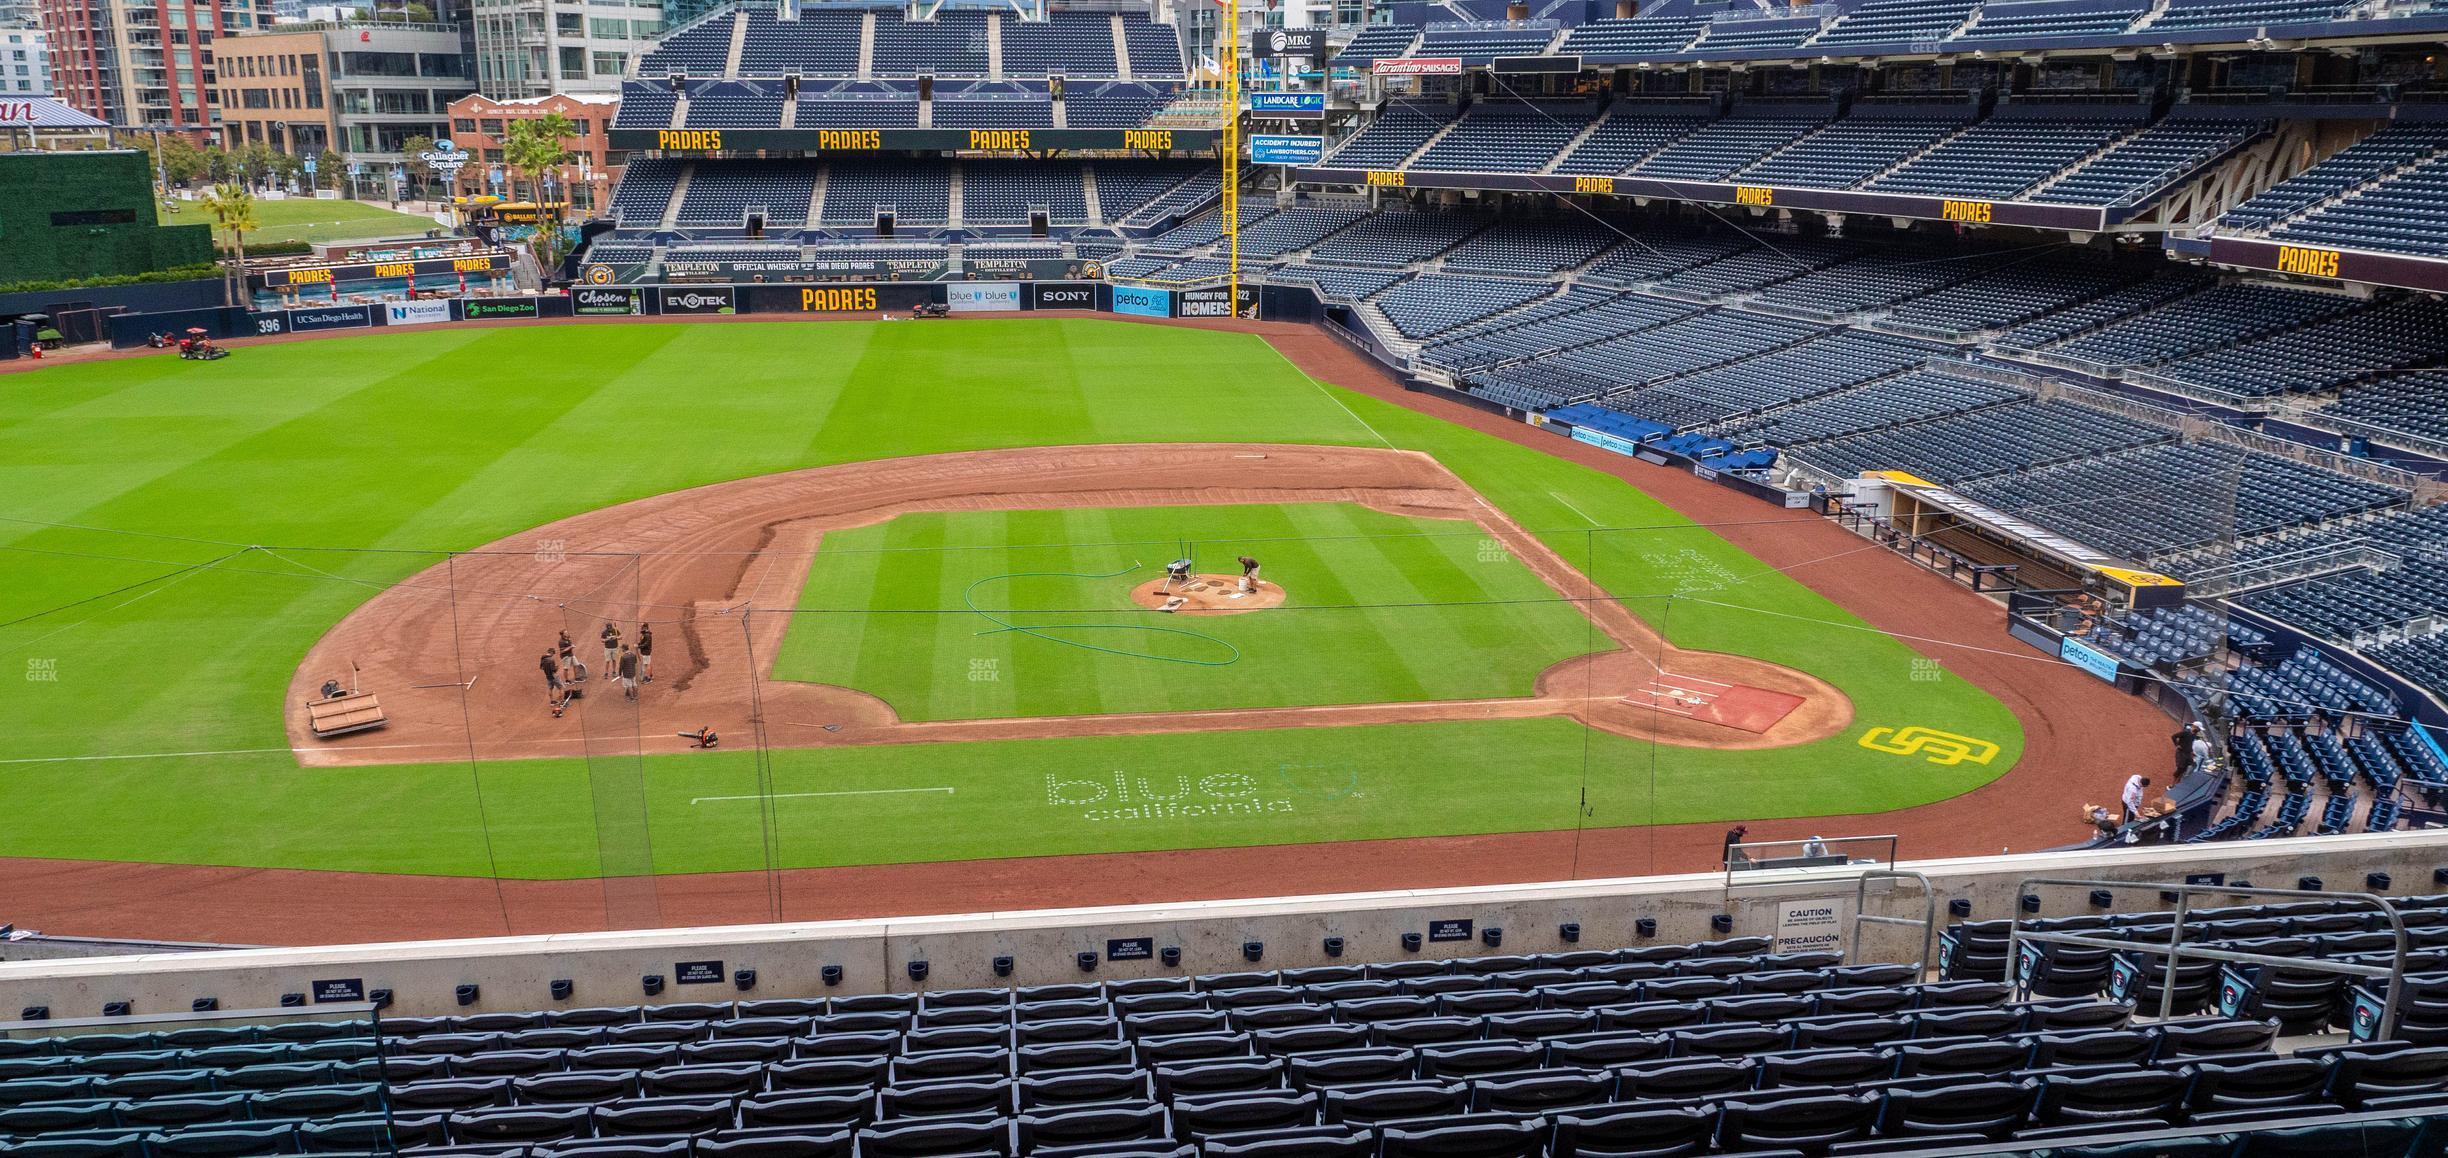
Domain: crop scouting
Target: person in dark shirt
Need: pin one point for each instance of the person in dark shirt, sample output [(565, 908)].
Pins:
[(628, 673), (552, 678), (645, 646), (569, 658), (1249, 574), (612, 647), (1733, 846)]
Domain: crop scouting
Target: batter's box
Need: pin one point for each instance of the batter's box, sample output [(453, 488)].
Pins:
[(1738, 706)]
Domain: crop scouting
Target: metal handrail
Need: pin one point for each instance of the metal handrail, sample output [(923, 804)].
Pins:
[(2175, 951), (1929, 911)]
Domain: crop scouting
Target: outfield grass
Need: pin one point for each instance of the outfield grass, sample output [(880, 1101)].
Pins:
[(310, 219), (1446, 620), (156, 640)]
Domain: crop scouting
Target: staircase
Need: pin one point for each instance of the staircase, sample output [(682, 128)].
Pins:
[(671, 212), (952, 199), (1122, 60), (1088, 191), (816, 199), (994, 46), (1578, 140), (739, 41), (866, 59)]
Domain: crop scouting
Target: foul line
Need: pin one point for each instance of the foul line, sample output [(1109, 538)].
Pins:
[(789, 795), (1558, 496)]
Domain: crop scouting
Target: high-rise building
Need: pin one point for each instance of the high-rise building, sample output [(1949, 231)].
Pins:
[(142, 62), (25, 61), (361, 89), (529, 48)]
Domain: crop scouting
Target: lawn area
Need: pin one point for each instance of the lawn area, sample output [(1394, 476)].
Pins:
[(174, 536), (1471, 626), (310, 219)]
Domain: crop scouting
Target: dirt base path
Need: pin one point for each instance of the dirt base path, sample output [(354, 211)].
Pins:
[(2081, 739)]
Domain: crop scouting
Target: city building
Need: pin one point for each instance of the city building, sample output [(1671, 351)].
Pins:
[(25, 61), (358, 89), (480, 123), (142, 63), (528, 48)]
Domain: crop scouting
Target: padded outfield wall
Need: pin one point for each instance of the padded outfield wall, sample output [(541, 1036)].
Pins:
[(85, 215)]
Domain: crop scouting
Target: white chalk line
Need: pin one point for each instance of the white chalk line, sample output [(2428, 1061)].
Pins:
[(1576, 510), (794, 795)]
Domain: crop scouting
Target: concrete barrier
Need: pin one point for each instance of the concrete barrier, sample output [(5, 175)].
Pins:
[(515, 973)]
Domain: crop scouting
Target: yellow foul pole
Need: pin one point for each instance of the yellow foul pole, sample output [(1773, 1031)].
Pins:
[(1228, 54)]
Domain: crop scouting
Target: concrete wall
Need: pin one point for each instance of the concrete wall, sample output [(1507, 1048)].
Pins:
[(513, 973)]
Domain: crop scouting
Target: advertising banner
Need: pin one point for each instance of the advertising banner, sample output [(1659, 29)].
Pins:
[(1288, 106), (2088, 658), (484, 309), (1273, 42), (1140, 301), (982, 296), (599, 300), (416, 313), (330, 318), (1062, 295), (883, 297), (1272, 149), (1417, 66), (717, 299), (1210, 303)]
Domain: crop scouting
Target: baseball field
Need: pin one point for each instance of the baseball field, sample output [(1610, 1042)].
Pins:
[(899, 566)]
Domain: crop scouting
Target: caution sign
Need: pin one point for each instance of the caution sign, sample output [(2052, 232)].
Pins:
[(1809, 926)]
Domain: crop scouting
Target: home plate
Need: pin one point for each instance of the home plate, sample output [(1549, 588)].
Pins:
[(1738, 706)]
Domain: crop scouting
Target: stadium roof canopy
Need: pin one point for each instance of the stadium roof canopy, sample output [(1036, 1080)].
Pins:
[(42, 112)]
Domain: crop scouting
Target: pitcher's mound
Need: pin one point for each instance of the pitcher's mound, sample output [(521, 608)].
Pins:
[(1209, 595)]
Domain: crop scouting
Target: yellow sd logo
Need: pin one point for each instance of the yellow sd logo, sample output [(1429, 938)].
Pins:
[(1939, 747), (599, 275)]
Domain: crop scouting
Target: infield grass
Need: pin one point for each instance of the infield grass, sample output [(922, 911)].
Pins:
[(174, 536), (920, 611)]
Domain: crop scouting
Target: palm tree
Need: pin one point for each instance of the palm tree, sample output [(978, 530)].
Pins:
[(232, 207), (535, 148)]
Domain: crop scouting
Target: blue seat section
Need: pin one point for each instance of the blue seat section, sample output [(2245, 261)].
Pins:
[(2004, 155), (2369, 159), (1003, 192), (1910, 397), (1202, 188), (1113, 106), (1546, 246), (1071, 43), (722, 193), (1126, 190), (2148, 161), (2208, 320), (1632, 130), (1896, 22), (734, 104), (822, 42), (1436, 302), (1375, 42), (857, 105), (919, 192), (2408, 404), (2016, 292), (1575, 317), (1685, 343), (699, 49), (2406, 212), (1822, 365), (990, 104), (1964, 447), (2017, 19), (645, 191), (2324, 354), (1735, 141), (2158, 289), (1396, 237), (2160, 636), (1401, 127), (645, 105), (1154, 46), (1751, 34), (1650, 257), (1507, 136), (1872, 280), (1850, 151), (951, 44), (1337, 284), (2163, 498), (2183, 14), (1482, 43), (1600, 41)]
